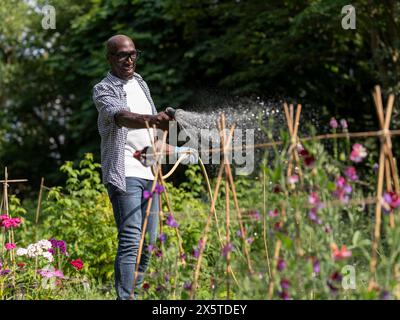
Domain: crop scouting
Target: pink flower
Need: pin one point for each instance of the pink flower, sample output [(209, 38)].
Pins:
[(343, 123), (294, 178), (342, 190), (77, 264), (358, 153), (250, 240), (341, 254), (227, 248), (392, 199), (171, 221), (147, 194), (333, 123), (313, 198), (254, 215), (159, 188), (273, 213), (7, 222), (10, 246), (351, 173)]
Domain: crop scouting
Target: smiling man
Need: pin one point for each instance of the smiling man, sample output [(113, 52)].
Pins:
[(124, 104)]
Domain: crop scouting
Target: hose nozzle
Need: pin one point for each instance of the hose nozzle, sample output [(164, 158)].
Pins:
[(171, 112)]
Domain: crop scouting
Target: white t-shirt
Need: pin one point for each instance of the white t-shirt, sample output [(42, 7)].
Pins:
[(137, 139)]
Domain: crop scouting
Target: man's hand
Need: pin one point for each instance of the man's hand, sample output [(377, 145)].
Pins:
[(161, 120)]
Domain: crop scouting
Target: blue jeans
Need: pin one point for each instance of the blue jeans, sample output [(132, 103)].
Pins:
[(129, 212)]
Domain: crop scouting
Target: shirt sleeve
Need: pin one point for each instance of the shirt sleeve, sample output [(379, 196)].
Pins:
[(107, 102)]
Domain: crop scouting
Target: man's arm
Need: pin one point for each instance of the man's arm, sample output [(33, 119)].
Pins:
[(133, 120)]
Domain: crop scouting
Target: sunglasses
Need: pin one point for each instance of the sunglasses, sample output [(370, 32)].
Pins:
[(122, 56)]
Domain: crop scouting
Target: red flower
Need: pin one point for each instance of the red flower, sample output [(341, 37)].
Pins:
[(77, 264)]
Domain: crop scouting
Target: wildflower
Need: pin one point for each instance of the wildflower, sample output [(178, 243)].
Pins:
[(187, 286), (150, 248), (58, 246), (392, 199), (34, 250), (334, 278), (375, 167), (385, 295), (358, 153), (77, 264), (21, 265), (162, 237), (312, 214), (147, 194), (254, 215), (160, 288), (333, 123), (342, 190), (7, 222), (351, 173), (158, 253), (284, 295), (281, 264), (343, 123), (22, 252), (285, 284), (196, 252), (327, 228), (227, 248), (159, 188), (10, 246), (273, 213), (48, 256), (341, 254), (4, 272), (146, 286), (308, 157), (44, 244), (171, 221), (293, 179), (250, 240), (313, 198), (278, 226), (167, 277), (316, 265), (183, 256)]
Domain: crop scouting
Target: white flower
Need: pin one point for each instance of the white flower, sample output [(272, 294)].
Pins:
[(48, 256), (22, 252), (34, 250), (44, 244)]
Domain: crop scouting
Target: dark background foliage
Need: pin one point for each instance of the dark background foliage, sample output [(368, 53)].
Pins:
[(293, 49)]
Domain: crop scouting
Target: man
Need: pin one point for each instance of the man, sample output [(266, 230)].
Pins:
[(124, 104)]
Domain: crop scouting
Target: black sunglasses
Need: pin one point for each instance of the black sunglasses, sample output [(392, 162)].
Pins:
[(122, 56)]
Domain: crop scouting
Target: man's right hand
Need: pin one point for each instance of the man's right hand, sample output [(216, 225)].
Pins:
[(161, 120)]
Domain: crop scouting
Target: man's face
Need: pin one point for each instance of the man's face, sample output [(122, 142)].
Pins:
[(122, 59)]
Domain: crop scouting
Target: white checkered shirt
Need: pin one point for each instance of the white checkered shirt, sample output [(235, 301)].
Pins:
[(110, 98)]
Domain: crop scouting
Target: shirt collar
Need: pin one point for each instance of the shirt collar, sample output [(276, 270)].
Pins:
[(119, 82)]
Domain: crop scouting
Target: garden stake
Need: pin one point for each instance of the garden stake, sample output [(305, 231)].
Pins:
[(205, 231), (138, 257), (275, 263), (265, 229), (6, 209), (386, 164), (228, 172)]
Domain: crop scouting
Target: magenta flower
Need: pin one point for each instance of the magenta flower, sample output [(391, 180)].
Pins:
[(158, 253), (239, 233), (58, 246), (4, 272), (159, 188), (281, 264), (273, 213), (171, 221), (293, 179), (162, 237), (316, 265), (254, 215), (187, 286), (312, 214), (196, 252), (226, 249), (392, 199), (308, 158), (10, 246), (7, 222), (333, 123), (343, 190), (313, 198), (284, 295), (343, 123), (250, 240), (358, 153), (285, 284), (150, 248), (351, 173), (147, 194)]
